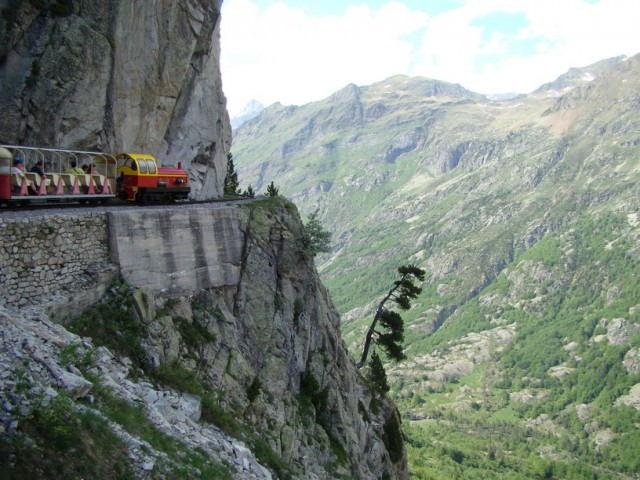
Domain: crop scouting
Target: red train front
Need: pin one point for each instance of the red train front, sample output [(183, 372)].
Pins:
[(141, 180)]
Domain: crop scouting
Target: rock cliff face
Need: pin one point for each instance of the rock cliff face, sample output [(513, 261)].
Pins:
[(245, 313), (275, 326), (115, 75)]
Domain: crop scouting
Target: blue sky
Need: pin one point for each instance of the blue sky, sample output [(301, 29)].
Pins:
[(299, 51), (338, 7)]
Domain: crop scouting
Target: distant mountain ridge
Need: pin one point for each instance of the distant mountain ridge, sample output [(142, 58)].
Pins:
[(579, 76), (523, 212), (250, 110)]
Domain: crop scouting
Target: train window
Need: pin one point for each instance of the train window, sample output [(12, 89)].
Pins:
[(143, 166), (152, 167), (133, 164)]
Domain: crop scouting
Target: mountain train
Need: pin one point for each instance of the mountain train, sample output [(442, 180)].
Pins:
[(30, 176)]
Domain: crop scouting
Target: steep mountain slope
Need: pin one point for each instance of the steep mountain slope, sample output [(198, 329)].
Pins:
[(523, 212)]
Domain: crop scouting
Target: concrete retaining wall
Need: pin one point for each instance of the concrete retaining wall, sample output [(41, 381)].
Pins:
[(178, 250)]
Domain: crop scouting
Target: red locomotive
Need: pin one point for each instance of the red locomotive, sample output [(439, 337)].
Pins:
[(31, 175), (142, 180)]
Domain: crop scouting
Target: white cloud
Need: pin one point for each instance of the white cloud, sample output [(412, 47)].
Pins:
[(283, 54), (564, 34)]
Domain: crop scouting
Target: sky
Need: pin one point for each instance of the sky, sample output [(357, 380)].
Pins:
[(299, 51)]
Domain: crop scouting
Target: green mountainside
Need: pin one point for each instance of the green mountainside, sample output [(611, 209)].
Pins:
[(523, 350)]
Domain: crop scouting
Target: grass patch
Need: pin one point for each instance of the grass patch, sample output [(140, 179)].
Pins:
[(185, 460), (265, 454), (178, 377), (58, 441), (111, 324)]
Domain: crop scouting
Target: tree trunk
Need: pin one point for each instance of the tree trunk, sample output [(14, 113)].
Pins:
[(372, 328)]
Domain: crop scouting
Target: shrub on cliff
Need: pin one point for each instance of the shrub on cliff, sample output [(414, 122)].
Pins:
[(231, 185), (314, 238), (272, 191)]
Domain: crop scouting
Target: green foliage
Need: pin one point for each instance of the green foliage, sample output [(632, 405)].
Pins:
[(278, 302), (61, 8), (112, 325), (377, 375), (548, 251), (393, 322), (572, 309), (531, 234), (72, 355), (314, 239), (272, 191), (195, 335), (254, 389), (462, 445), (265, 454), (134, 420), (391, 344), (10, 11), (176, 376), (298, 308), (35, 73), (57, 423), (391, 338), (56, 8), (231, 185), (311, 394), (339, 451), (55, 440), (363, 411), (392, 438), (248, 192), (406, 289)]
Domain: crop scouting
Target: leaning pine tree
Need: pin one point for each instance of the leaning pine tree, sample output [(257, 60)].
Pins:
[(391, 334)]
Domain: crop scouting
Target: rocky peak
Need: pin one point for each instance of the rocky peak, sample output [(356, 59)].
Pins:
[(418, 87), (578, 76), (250, 110)]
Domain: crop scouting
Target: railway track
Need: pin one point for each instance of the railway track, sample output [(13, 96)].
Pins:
[(51, 208)]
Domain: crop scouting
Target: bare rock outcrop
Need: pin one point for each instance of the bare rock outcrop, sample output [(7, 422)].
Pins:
[(270, 322)]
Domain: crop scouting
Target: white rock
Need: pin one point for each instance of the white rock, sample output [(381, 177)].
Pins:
[(77, 386)]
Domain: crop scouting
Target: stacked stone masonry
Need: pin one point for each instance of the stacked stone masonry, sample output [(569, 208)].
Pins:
[(48, 255)]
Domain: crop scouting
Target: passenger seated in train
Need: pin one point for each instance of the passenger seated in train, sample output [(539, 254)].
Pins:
[(75, 169), (18, 169), (38, 168)]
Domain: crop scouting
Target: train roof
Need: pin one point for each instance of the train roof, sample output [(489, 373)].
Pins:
[(135, 156)]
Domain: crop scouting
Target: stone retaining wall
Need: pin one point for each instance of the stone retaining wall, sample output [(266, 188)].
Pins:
[(46, 256)]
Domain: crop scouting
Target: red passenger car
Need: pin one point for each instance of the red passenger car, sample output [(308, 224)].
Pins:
[(80, 176)]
